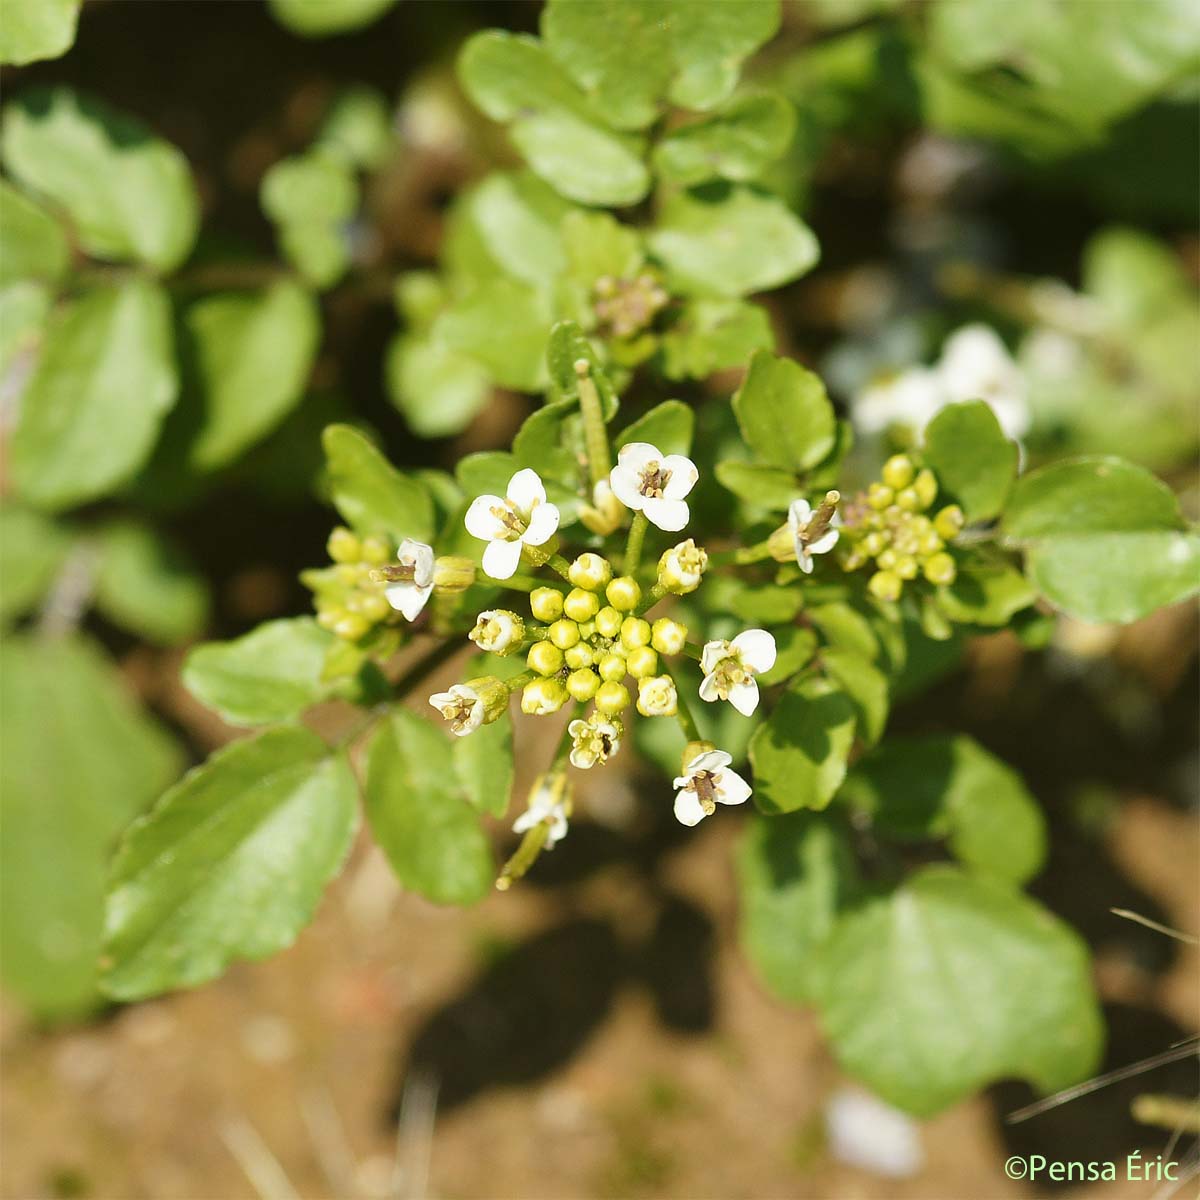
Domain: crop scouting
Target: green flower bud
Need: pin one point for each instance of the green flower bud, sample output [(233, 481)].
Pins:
[(543, 696), (545, 658), (453, 573), (546, 604), (642, 662), (563, 633), (624, 593), (611, 697), (375, 607), (879, 496), (351, 627), (635, 631), (908, 499), (898, 471), (874, 543), (375, 550), (887, 558), (949, 522), (667, 636), (884, 585), (940, 569), (608, 622), (344, 546), (925, 485), (590, 571), (906, 566), (612, 668), (581, 605), (579, 655), (583, 684)]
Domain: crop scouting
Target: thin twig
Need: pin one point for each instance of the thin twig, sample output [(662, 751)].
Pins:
[(261, 1167), (1129, 915)]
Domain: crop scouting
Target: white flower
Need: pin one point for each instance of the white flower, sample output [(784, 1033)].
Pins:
[(462, 706), (706, 782), (681, 568), (594, 741), (408, 596), (657, 696), (871, 1135), (729, 668), (498, 631), (522, 517), (654, 483), (548, 805), (976, 365), (800, 513), (910, 397)]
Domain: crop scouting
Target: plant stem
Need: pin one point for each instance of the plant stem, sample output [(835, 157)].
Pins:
[(595, 435), (633, 547), (686, 720), (741, 556), (556, 562)]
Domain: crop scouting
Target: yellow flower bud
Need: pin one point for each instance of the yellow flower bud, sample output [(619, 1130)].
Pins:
[(908, 500), (344, 546), (884, 585), (925, 485), (546, 604), (545, 658), (579, 655), (375, 607), (608, 622), (542, 696), (583, 684), (879, 496), (642, 662), (611, 697), (898, 471), (581, 605), (563, 633), (949, 522), (940, 569), (375, 550), (887, 558), (605, 514), (351, 627), (635, 631), (612, 668), (906, 566), (590, 571), (624, 593), (667, 636), (453, 573)]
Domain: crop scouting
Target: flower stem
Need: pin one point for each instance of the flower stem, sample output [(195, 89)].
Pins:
[(686, 721), (742, 555), (557, 563), (633, 547), (595, 435), (524, 857)]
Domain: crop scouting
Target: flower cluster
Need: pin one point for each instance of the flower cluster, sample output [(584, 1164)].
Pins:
[(888, 526), (626, 307), (350, 598)]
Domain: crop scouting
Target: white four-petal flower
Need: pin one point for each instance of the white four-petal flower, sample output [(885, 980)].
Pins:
[(522, 517), (800, 513), (706, 782), (654, 483), (729, 668), (462, 706), (593, 741), (408, 596), (547, 805)]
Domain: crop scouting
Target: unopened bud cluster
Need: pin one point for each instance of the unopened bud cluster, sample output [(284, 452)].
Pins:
[(889, 526), (350, 598), (626, 307)]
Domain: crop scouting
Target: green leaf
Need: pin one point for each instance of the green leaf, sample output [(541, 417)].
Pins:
[(129, 194), (370, 493), (518, 219), (32, 242), (566, 347), (714, 335), (668, 425), (230, 864), (866, 686), (973, 460), (919, 998), (597, 244), (799, 753), (1134, 277), (80, 760), (512, 79), (145, 584), (483, 766), (252, 354), (323, 18), (1103, 539), (92, 410), (728, 240), (737, 143), (24, 308), (772, 488), (309, 187), (629, 57), (32, 550), (504, 325), (796, 875), (37, 29), (321, 253), (271, 674), (986, 593), (794, 649), (783, 413), (862, 629), (950, 787), (430, 834), (439, 390), (357, 129)]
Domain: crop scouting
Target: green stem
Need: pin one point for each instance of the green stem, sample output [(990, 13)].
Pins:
[(686, 721), (741, 556), (524, 857), (522, 583), (595, 435), (633, 547), (556, 562)]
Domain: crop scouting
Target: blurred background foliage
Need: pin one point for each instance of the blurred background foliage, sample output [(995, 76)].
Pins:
[(223, 226)]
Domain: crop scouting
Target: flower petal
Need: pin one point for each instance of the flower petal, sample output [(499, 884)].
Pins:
[(420, 557), (635, 455), (525, 489), (688, 810), (683, 476), (708, 688), (799, 515), (407, 598), (668, 515), (732, 788), (709, 760), (757, 648), (824, 543), (744, 697), (500, 559), (481, 521), (527, 820), (712, 654), (543, 523), (624, 481), (805, 561)]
